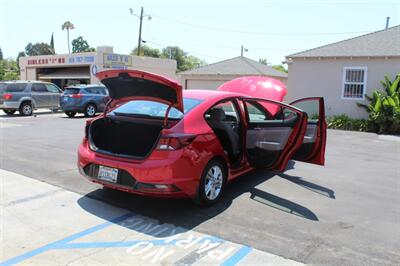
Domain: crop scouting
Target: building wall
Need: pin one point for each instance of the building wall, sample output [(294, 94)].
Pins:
[(96, 61), (209, 82), (324, 77)]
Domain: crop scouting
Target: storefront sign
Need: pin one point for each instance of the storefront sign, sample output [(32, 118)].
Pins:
[(81, 59), (61, 60), (53, 60), (117, 60)]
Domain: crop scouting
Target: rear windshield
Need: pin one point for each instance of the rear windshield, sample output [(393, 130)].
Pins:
[(16, 87), (71, 91), (154, 109)]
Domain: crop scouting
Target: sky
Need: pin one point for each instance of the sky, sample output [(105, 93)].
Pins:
[(209, 29)]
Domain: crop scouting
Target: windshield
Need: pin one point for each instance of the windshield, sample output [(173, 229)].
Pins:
[(154, 109)]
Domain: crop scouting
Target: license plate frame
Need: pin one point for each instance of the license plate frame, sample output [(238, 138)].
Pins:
[(108, 174)]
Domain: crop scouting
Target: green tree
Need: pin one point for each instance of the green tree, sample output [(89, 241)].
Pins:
[(80, 45), (20, 54), (52, 43), (263, 61), (9, 70), (147, 51), (67, 25), (1, 54), (183, 60), (38, 49), (280, 68)]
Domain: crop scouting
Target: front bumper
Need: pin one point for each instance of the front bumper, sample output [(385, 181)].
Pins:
[(175, 170)]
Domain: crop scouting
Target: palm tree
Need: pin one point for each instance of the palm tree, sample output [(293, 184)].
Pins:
[(68, 26)]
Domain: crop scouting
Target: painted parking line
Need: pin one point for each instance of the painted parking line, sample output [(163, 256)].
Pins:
[(125, 238)]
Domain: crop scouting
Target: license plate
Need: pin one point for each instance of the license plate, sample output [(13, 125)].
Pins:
[(108, 174), (65, 99)]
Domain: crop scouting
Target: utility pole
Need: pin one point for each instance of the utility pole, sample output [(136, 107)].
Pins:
[(142, 15), (140, 31), (387, 23), (242, 49)]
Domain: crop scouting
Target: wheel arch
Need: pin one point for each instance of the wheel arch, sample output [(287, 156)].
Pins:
[(27, 99)]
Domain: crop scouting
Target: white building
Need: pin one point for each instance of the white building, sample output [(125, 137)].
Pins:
[(343, 72), (211, 76), (80, 68)]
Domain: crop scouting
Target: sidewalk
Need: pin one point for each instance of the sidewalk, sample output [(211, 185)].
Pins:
[(44, 224)]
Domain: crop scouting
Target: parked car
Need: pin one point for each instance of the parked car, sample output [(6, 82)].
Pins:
[(87, 99), (155, 139), (25, 96)]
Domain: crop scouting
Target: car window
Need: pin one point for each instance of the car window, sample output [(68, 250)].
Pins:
[(263, 112), (16, 87), (52, 88), (104, 91), (256, 113), (69, 91), (97, 90), (154, 109), (228, 107), (38, 87)]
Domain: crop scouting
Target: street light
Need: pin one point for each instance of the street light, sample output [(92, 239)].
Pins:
[(140, 25)]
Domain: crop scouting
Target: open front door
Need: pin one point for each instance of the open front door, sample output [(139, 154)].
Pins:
[(274, 132), (312, 149)]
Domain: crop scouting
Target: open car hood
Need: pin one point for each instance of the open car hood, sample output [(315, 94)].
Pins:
[(125, 84), (256, 86)]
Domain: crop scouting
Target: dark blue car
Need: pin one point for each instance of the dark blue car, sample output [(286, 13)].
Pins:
[(87, 99)]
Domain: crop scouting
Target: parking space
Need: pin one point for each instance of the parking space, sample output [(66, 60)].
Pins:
[(344, 213), (62, 232)]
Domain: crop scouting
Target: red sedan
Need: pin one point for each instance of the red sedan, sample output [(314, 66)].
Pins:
[(155, 139)]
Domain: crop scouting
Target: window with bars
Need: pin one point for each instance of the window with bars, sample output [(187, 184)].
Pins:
[(354, 82)]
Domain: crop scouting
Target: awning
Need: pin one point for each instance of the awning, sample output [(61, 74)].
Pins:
[(67, 73)]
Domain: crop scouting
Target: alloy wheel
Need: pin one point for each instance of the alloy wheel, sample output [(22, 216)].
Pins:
[(91, 110), (213, 184)]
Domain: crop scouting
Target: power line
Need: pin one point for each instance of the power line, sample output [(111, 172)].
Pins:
[(190, 52), (236, 47), (258, 33)]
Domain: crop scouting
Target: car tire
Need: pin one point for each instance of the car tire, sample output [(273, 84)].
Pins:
[(70, 114), (212, 184), (90, 110), (26, 109), (9, 111)]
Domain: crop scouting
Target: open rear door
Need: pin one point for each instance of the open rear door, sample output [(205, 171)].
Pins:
[(312, 149), (274, 131)]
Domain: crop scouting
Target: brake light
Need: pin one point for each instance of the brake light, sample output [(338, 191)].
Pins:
[(174, 141), (7, 96), (76, 96)]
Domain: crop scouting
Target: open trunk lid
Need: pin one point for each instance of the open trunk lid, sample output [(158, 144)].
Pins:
[(127, 85)]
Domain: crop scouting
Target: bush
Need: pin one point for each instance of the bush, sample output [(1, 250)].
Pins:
[(346, 123), (384, 107)]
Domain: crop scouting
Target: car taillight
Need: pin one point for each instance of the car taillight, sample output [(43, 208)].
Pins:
[(76, 96), (174, 141), (7, 96)]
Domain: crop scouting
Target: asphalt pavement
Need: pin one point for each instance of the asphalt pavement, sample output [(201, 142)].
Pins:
[(344, 213)]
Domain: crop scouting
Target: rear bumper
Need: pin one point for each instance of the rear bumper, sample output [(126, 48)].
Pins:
[(177, 170), (9, 105)]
